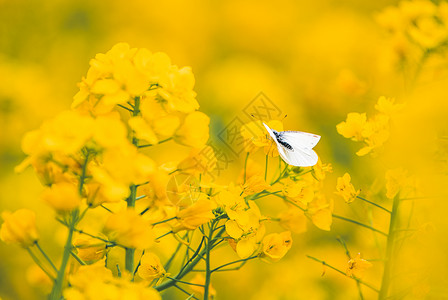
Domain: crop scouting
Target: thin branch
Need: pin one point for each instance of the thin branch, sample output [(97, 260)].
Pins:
[(163, 221), (185, 282), (37, 261), (373, 203), (77, 258), (343, 273), (127, 108), (46, 256), (233, 262), (360, 224), (149, 145), (190, 296)]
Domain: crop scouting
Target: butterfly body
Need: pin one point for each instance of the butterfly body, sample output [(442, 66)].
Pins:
[(281, 141), (295, 147)]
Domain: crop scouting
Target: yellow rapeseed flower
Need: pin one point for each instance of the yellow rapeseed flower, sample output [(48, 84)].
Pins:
[(387, 106), (123, 73), (244, 226), (321, 212), (128, 228), (376, 133), (177, 90), (156, 189), (122, 166), (254, 181), (95, 281), (142, 130), (19, 227), (346, 189), (255, 136), (353, 126), (320, 169), (104, 188), (276, 245), (63, 197), (298, 191), (63, 135), (194, 131), (195, 215), (373, 132), (90, 249), (357, 266), (199, 161), (109, 131), (150, 267)]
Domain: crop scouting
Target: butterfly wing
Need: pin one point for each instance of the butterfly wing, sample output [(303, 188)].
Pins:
[(271, 133), (299, 139), (302, 144), (299, 157)]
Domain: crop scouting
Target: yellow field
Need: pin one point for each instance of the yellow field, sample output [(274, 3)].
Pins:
[(134, 163)]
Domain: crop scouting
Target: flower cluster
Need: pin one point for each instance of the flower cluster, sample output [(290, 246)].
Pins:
[(416, 26), (96, 159), (374, 132)]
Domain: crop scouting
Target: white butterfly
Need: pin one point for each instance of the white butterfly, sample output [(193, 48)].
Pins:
[(295, 147)]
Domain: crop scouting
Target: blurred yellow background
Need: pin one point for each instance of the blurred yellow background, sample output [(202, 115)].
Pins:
[(316, 60)]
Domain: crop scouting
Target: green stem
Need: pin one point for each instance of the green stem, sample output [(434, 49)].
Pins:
[(135, 113), (360, 224), (188, 266), (181, 274), (75, 256), (190, 295), (160, 222), (83, 173), (39, 263), (361, 297), (127, 108), (374, 204), (106, 208), (184, 282), (343, 273), (342, 242), (208, 272), (266, 168), (375, 237), (281, 175), (245, 167), (138, 265), (385, 283), (129, 257), (131, 199), (130, 252), (160, 142), (244, 260), (46, 256), (98, 238), (56, 293), (165, 234), (263, 194)]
